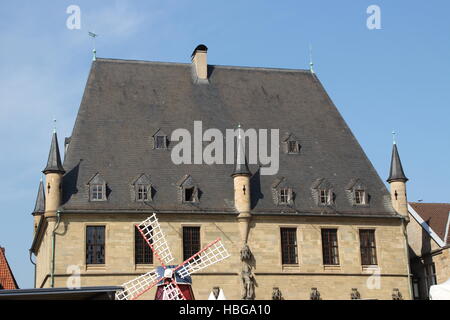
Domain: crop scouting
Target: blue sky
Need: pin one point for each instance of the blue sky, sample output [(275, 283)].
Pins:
[(380, 80)]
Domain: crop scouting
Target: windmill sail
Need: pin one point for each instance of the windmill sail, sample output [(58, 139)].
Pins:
[(138, 286), (211, 254), (172, 292), (155, 238)]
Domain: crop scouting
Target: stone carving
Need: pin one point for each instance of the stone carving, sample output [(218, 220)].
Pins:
[(355, 295), (246, 254), (315, 294), (276, 294), (248, 279), (396, 294)]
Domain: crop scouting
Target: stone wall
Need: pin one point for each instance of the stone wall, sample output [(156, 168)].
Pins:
[(294, 281)]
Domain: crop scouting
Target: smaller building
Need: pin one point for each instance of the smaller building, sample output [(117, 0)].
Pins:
[(7, 281), (429, 243)]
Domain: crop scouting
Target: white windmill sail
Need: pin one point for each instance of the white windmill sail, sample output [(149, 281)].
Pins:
[(138, 286), (172, 292), (155, 238), (211, 254)]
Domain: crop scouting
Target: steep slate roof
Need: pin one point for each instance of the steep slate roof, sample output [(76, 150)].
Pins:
[(125, 102), (436, 215), (7, 281)]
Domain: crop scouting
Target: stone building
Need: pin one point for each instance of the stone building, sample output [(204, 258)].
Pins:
[(429, 241), (323, 226)]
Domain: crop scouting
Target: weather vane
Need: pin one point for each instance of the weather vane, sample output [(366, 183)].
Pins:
[(94, 51)]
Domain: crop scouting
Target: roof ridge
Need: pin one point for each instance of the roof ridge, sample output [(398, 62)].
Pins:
[(115, 60)]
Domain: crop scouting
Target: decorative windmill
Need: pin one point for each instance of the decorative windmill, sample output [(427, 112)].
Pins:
[(167, 277)]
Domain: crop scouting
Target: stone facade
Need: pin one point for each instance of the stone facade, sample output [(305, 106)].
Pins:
[(294, 281), (424, 252)]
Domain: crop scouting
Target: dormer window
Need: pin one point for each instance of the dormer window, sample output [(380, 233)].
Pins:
[(160, 140), (324, 196), (188, 190), (142, 188), (360, 197), (282, 193), (97, 188), (97, 192), (357, 193), (142, 192), (291, 144), (189, 194), (293, 147), (323, 192)]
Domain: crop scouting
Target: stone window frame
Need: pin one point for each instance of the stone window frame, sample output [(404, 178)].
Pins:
[(143, 180), (93, 184)]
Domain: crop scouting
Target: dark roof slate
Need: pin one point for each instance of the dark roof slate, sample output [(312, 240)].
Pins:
[(396, 173), (126, 101), (39, 206), (54, 158)]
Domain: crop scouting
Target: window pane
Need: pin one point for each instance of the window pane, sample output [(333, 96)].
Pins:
[(142, 251), (160, 142), (191, 241), (189, 194), (289, 245), (330, 247), (368, 247), (95, 245)]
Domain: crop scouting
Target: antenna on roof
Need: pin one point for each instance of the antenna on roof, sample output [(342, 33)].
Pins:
[(393, 137), (311, 64), (94, 51)]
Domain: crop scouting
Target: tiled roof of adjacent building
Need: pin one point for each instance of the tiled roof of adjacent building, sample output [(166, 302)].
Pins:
[(436, 215), (7, 281), (126, 102)]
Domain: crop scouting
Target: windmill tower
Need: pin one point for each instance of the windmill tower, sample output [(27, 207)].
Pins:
[(168, 276)]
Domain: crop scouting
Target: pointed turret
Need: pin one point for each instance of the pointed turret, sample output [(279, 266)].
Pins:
[(396, 173), (54, 159), (241, 178), (241, 165), (397, 181), (39, 207), (54, 172)]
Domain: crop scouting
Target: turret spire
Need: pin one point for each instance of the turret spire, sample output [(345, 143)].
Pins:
[(241, 166), (39, 207), (396, 172), (54, 159)]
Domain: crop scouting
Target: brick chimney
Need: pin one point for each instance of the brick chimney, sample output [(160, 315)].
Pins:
[(200, 63)]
